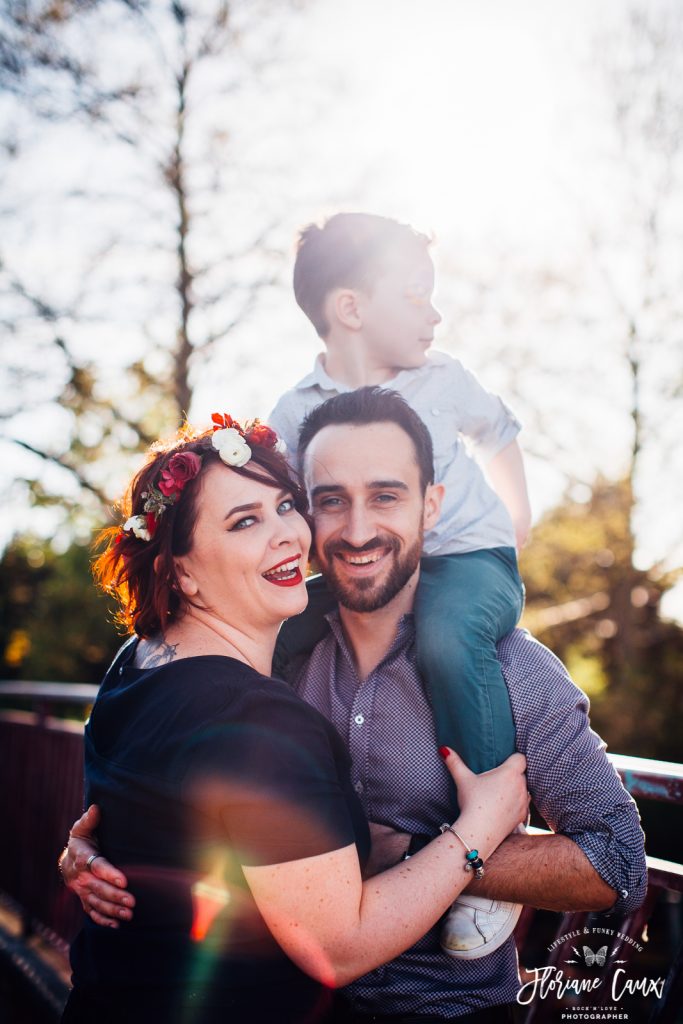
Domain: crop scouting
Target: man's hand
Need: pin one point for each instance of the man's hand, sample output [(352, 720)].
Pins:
[(100, 886)]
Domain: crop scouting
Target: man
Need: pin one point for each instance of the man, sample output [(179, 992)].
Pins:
[(368, 470)]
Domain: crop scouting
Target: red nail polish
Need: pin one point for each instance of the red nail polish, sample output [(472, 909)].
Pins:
[(444, 751)]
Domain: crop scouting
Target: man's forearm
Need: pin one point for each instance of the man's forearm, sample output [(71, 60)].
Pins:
[(547, 872)]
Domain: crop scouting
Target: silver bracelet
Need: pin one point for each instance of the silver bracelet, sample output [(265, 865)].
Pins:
[(473, 861)]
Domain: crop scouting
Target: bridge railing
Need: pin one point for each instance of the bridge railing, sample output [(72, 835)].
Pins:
[(41, 765)]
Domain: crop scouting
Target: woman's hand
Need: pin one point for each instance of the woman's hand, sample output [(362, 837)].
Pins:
[(336, 926), (100, 886), (498, 797)]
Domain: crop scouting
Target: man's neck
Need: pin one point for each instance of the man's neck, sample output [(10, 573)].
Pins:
[(369, 635), (346, 362)]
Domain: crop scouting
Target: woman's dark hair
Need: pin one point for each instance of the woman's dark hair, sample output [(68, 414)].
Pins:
[(140, 574), (372, 405)]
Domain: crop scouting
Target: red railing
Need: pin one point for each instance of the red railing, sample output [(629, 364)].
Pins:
[(626, 939), (41, 764)]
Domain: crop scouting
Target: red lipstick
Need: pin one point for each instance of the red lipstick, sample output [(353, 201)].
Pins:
[(282, 576)]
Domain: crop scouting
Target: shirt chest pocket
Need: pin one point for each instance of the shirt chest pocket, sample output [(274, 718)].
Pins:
[(440, 419)]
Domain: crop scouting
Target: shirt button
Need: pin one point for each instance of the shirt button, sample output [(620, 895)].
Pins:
[(436, 412), (121, 670), (624, 893), (359, 719), (358, 787)]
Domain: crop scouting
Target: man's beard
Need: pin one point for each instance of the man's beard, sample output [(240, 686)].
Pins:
[(368, 594)]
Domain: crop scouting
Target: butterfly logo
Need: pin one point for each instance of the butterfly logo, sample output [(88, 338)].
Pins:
[(597, 959)]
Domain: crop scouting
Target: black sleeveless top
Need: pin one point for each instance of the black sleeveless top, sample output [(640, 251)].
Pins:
[(199, 766)]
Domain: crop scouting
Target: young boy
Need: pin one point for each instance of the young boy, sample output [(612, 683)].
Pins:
[(366, 284)]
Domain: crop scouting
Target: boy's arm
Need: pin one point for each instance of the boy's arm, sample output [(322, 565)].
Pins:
[(506, 473), (491, 428)]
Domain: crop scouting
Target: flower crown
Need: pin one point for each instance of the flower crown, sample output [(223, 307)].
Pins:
[(232, 441), (233, 444)]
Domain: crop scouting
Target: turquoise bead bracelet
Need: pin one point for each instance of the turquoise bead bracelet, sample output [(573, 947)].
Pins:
[(473, 861)]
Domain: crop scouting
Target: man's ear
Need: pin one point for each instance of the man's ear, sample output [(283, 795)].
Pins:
[(341, 307), (432, 505)]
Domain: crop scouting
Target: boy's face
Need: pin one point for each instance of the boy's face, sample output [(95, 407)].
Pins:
[(397, 317)]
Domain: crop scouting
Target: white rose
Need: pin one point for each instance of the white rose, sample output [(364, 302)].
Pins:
[(138, 524), (231, 446)]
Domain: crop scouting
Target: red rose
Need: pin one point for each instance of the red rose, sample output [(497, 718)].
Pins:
[(259, 433), (151, 523), (182, 468)]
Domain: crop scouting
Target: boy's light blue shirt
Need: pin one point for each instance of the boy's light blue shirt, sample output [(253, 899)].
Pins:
[(453, 404)]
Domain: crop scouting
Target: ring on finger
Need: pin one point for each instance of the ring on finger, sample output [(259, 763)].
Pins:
[(91, 858)]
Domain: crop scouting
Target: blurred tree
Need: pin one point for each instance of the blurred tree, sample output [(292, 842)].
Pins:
[(54, 625), (600, 615), (638, 251), (166, 220), (587, 340)]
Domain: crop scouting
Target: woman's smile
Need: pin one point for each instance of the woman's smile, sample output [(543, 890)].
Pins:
[(286, 573)]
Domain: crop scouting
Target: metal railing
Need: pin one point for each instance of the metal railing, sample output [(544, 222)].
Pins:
[(41, 763)]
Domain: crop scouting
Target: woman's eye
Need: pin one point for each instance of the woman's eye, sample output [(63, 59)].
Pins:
[(286, 506), (242, 524)]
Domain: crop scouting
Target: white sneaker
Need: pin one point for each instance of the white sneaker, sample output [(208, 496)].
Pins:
[(476, 926)]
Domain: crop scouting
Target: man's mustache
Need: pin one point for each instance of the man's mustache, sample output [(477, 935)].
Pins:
[(334, 547)]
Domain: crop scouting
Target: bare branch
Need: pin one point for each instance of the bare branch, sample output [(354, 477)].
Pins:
[(59, 460)]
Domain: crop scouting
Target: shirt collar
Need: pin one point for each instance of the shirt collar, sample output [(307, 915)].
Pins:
[(404, 637), (319, 377)]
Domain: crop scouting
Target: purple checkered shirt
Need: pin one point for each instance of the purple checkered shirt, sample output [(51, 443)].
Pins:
[(386, 721)]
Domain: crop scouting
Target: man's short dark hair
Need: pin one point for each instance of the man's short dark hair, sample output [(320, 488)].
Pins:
[(372, 405), (350, 250)]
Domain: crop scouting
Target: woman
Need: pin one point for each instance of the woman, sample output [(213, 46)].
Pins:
[(225, 798)]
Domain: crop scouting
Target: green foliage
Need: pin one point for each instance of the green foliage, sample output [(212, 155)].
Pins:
[(54, 625), (600, 614), (585, 600)]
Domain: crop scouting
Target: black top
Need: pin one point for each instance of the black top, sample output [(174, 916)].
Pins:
[(199, 766)]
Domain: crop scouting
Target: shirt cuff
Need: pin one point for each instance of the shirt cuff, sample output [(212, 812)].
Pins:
[(487, 450), (627, 879)]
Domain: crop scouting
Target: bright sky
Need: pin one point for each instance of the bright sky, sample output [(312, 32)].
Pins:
[(484, 121)]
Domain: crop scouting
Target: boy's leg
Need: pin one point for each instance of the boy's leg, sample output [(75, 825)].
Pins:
[(299, 635), (465, 604)]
